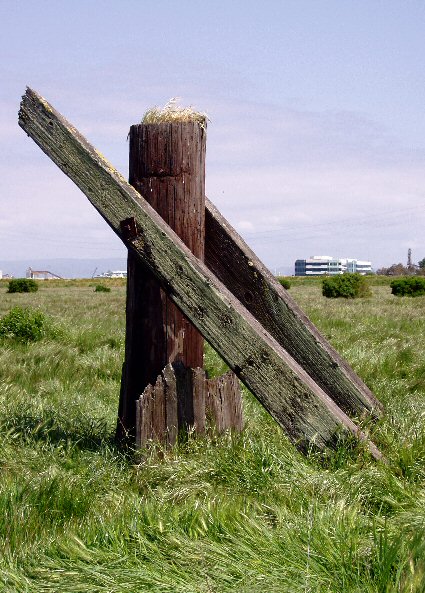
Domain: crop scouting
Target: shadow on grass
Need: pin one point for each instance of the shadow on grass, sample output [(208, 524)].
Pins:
[(80, 431), (345, 449)]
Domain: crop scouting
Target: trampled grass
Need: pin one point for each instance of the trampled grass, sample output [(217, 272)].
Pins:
[(238, 513)]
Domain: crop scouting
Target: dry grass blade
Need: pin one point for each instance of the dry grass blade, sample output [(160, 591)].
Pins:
[(173, 113)]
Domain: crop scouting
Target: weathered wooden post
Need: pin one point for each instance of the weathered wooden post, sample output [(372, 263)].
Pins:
[(246, 339), (167, 167)]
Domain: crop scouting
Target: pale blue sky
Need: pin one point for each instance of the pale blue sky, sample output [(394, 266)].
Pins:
[(317, 137)]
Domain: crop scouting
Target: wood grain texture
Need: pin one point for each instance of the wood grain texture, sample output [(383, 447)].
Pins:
[(145, 407), (291, 396), (167, 166), (171, 404), (199, 394), (136, 374), (218, 399), (224, 403), (240, 270)]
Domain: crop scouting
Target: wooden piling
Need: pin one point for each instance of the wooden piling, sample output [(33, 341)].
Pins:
[(167, 166), (299, 405)]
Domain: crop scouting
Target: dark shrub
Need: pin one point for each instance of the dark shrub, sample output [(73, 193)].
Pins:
[(24, 325), (409, 286), (284, 282), (102, 288), (347, 286), (22, 285)]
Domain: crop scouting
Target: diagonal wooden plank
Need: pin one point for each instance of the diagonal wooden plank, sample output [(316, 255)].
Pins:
[(241, 271), (291, 396)]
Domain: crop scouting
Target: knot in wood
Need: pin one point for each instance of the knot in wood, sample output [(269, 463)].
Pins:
[(226, 320), (129, 228), (199, 312)]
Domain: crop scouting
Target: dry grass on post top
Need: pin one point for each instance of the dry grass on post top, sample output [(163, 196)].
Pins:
[(173, 113)]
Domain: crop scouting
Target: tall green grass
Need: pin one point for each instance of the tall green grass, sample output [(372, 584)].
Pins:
[(235, 513)]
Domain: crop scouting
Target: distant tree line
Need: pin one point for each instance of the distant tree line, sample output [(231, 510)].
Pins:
[(401, 270)]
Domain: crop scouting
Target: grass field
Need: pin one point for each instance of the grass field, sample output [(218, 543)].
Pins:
[(244, 513)]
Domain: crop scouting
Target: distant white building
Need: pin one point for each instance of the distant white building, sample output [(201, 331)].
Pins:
[(113, 274), (326, 265), (42, 275)]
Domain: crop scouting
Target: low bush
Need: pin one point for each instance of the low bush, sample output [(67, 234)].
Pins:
[(408, 286), (347, 286), (284, 282), (23, 324), (102, 288), (22, 285)]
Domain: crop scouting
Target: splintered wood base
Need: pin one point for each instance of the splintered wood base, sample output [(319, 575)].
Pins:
[(183, 399)]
